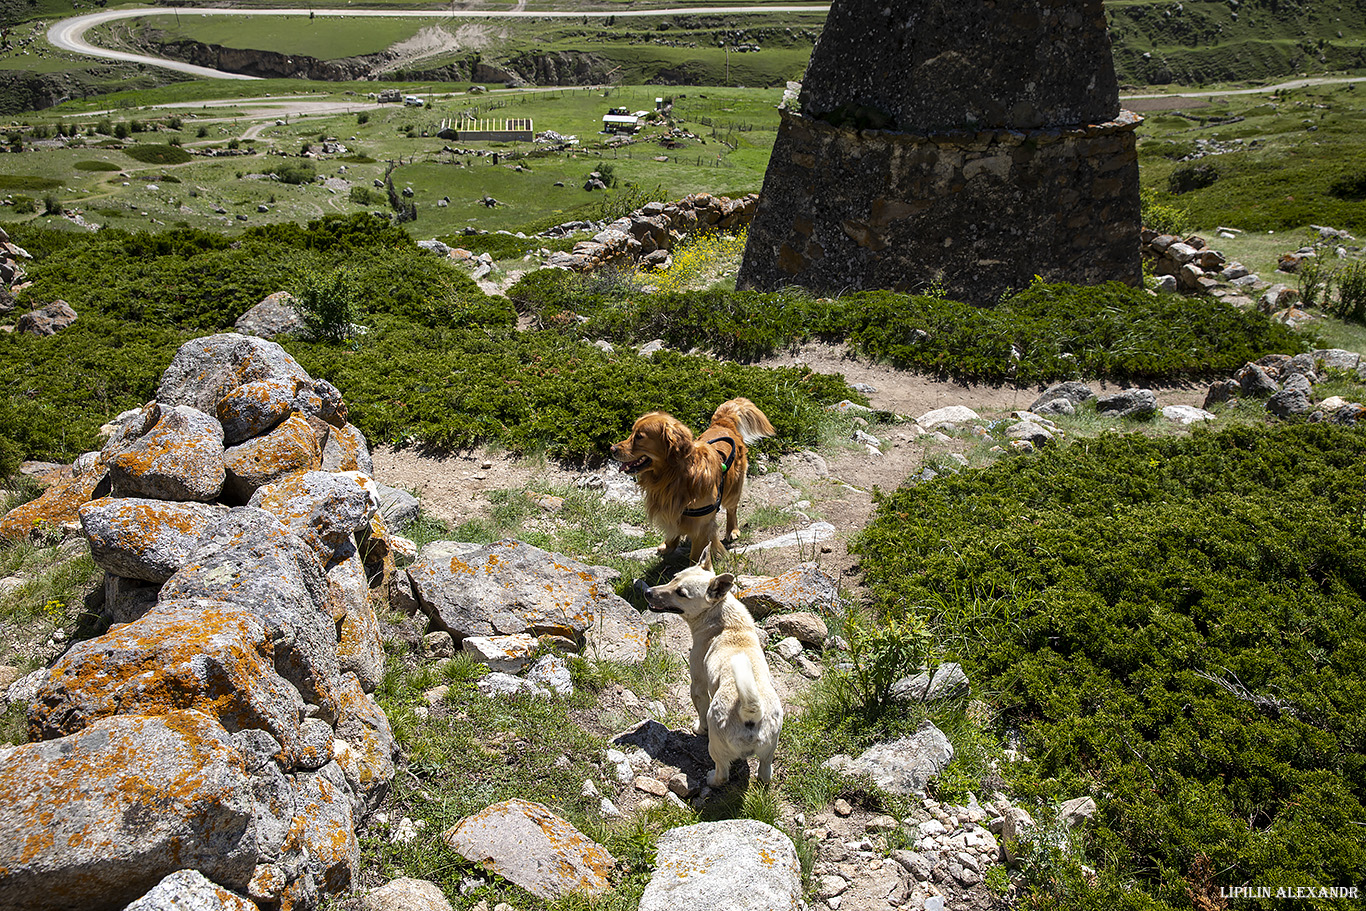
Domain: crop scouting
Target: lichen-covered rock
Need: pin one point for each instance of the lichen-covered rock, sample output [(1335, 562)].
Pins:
[(804, 626), (948, 415), (508, 654), (360, 643), (323, 508), (94, 820), (525, 843), (510, 587), (289, 448), (205, 370), (805, 587), (367, 759), (144, 539), (255, 408), (202, 655), (324, 827), (619, 633), (250, 559), (347, 450), (322, 400), (735, 864), (181, 458), (126, 599), (190, 890), (58, 506)]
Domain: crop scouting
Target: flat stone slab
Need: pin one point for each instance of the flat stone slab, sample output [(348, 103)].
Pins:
[(526, 844), (511, 587), (733, 865), (902, 766)]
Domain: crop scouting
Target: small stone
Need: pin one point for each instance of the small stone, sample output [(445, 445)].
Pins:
[(651, 785), (842, 807)]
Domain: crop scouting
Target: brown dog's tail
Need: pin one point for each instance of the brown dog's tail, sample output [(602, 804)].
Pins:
[(745, 417)]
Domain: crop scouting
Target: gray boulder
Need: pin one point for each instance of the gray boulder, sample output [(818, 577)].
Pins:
[(735, 864), (255, 408), (1129, 403), (346, 449), (250, 559), (49, 320), (1255, 382), (1073, 392), (1185, 414), (205, 370), (903, 766), (1289, 403), (804, 626), (206, 656), (406, 895), (144, 539), (327, 828), (273, 317), (1337, 359), (360, 643), (190, 890), (399, 508), (1059, 406), (97, 819), (511, 587), (367, 760), (525, 843), (948, 681), (181, 458), (1222, 391), (618, 633), (326, 509)]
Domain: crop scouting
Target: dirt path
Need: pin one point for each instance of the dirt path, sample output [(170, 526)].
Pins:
[(834, 486)]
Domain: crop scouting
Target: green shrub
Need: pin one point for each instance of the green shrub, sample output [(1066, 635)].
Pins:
[(96, 166), (1192, 177), (1172, 625), (51, 204), (24, 205), (1315, 282), (293, 172), (157, 154), (1162, 217), (1349, 186), (29, 182), (1351, 302), (328, 302), (364, 196)]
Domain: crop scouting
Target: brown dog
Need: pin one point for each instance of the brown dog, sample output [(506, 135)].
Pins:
[(687, 480)]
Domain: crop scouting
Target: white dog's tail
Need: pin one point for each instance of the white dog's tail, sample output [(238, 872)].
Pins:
[(748, 689)]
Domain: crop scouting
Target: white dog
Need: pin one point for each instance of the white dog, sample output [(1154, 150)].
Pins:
[(737, 706)]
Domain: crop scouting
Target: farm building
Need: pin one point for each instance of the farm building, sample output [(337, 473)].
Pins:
[(515, 129), (619, 120)]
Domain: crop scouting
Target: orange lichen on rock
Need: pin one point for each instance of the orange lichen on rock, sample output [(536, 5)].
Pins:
[(59, 505)]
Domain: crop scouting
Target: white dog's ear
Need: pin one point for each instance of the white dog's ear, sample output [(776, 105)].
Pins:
[(719, 587), (705, 560)]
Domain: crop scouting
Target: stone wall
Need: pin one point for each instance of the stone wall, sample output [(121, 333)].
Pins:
[(224, 723), (978, 213), (650, 232)]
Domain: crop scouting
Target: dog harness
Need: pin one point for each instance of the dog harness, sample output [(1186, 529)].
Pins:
[(720, 488)]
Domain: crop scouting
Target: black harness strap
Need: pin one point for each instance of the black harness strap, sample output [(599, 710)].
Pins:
[(720, 488)]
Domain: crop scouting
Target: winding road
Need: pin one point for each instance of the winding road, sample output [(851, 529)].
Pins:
[(69, 34)]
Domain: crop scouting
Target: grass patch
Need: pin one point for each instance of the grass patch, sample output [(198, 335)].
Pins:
[(28, 182), (96, 166), (1173, 626)]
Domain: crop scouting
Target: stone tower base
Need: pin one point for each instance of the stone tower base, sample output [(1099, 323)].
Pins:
[(979, 213)]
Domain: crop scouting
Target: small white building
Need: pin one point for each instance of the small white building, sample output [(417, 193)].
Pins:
[(620, 123)]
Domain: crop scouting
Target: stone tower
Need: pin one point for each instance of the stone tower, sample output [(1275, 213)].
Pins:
[(971, 144)]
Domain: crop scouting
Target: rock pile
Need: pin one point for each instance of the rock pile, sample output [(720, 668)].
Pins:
[(11, 261), (651, 231), (1189, 265), (1287, 383), (224, 723)]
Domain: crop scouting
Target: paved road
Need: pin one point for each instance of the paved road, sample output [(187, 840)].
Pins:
[(68, 34)]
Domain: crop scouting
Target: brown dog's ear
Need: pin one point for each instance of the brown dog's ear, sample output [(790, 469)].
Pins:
[(719, 587), (678, 438)]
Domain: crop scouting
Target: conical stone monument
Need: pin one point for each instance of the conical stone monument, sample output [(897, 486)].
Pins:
[(964, 144)]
